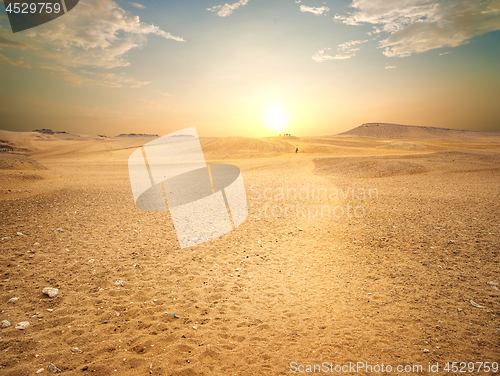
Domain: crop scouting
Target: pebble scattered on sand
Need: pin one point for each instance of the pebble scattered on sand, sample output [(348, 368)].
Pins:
[(474, 304), (5, 324), (50, 291), (119, 283), (22, 325), (59, 229), (12, 300), (20, 234), (40, 370), (53, 368), (426, 351)]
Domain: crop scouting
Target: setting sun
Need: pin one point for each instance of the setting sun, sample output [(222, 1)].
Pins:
[(276, 118)]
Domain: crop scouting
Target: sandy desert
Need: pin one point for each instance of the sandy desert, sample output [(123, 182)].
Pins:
[(388, 254)]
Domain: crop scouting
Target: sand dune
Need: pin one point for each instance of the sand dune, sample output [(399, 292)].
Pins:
[(356, 249), (386, 166), (242, 147), (403, 146), (383, 130)]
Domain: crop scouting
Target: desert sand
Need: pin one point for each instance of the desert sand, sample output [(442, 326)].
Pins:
[(389, 254)]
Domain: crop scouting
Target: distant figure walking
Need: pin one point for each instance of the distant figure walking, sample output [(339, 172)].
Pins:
[(296, 150)]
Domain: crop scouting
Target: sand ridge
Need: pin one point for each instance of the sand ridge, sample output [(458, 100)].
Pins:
[(385, 130)]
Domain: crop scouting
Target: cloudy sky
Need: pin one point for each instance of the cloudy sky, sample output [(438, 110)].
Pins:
[(112, 67)]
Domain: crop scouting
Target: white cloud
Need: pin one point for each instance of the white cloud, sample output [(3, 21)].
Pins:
[(416, 26), (298, 1), (15, 63), (390, 66), (5, 42), (227, 9), (137, 5), (92, 78), (164, 94), (99, 34), (344, 51), (316, 11), (322, 55)]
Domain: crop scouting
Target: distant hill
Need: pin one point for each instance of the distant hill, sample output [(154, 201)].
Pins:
[(49, 131), (383, 130), (137, 135)]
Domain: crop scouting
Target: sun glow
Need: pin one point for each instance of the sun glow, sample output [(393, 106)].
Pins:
[(276, 118)]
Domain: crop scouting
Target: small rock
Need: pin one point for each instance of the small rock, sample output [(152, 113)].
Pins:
[(53, 368), (20, 234), (426, 351), (300, 229), (12, 300), (49, 309), (50, 291), (118, 283), (40, 370), (85, 368), (474, 304), (22, 325), (195, 327), (59, 229), (175, 315), (5, 324)]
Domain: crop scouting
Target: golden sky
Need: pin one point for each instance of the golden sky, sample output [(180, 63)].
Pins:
[(111, 67)]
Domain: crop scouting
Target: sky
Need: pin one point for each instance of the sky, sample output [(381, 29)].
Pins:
[(315, 67)]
